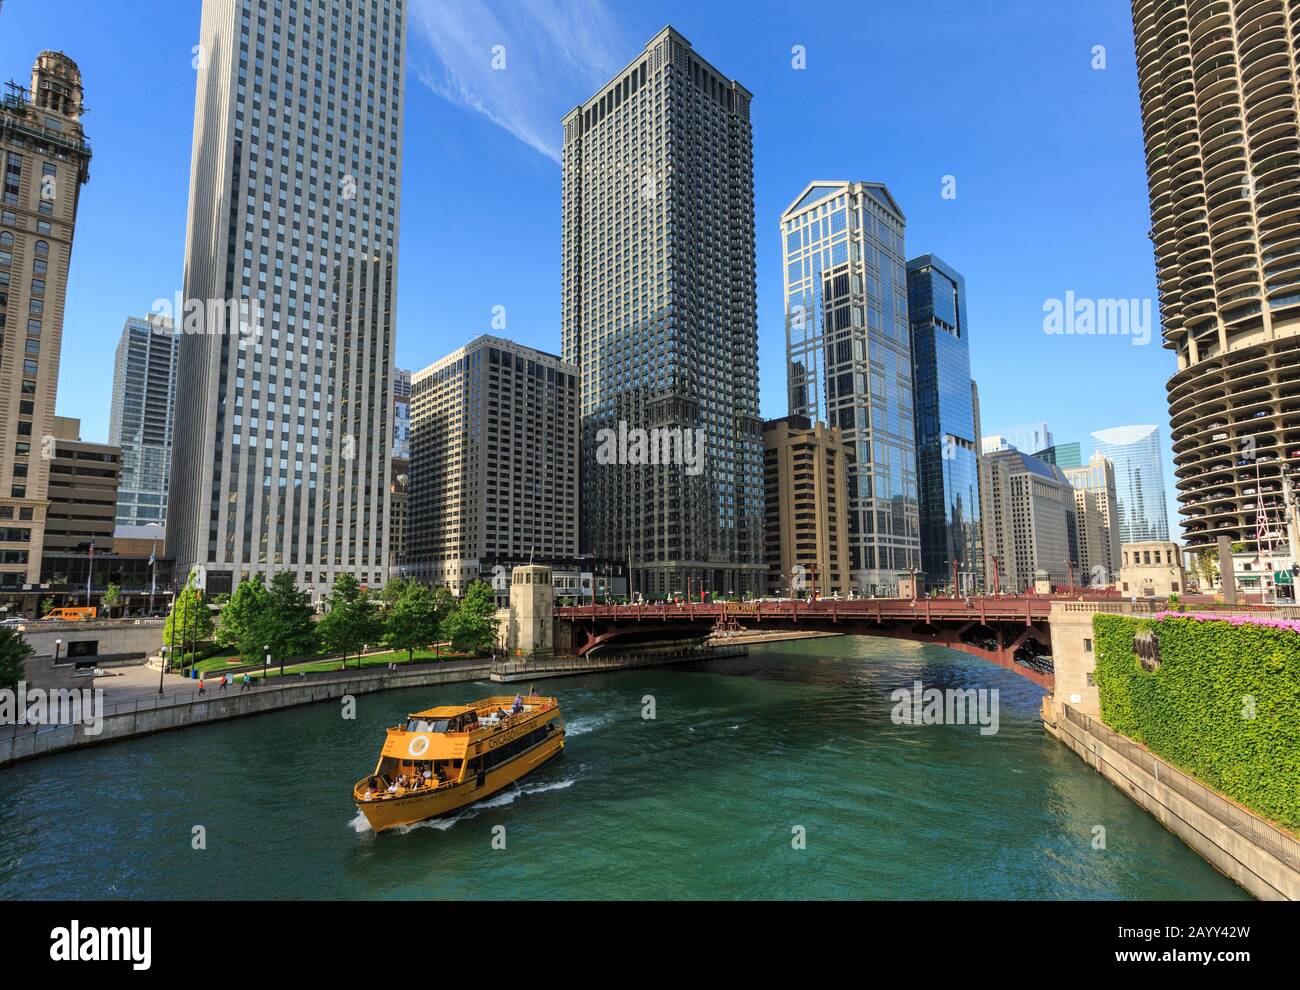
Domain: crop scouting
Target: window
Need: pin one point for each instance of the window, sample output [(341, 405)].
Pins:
[(1087, 646)]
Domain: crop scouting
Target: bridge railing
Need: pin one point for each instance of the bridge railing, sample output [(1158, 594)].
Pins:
[(1261, 832), (613, 661)]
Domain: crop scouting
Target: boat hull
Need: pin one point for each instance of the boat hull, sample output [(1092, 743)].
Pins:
[(413, 808)]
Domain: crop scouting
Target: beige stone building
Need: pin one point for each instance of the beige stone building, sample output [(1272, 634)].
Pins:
[(1152, 570), (806, 529), (494, 464), (1097, 521), (44, 160), (1028, 508)]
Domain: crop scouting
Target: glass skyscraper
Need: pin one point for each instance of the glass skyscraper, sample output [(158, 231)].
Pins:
[(947, 441), (849, 358), (284, 418), (1139, 481), (140, 422), (659, 315)]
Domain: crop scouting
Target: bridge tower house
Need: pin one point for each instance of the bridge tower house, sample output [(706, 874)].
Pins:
[(530, 630)]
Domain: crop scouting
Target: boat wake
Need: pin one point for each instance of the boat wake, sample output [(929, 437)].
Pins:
[(581, 726)]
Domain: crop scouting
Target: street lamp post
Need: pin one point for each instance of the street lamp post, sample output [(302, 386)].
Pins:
[(266, 667), (162, 670), (57, 644)]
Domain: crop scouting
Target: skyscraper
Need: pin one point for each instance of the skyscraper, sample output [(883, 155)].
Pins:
[(44, 161), (140, 421), (494, 463), (947, 439), (1096, 504), (1029, 520), (849, 358), (284, 422), (1218, 91), (1139, 481), (659, 315), (1063, 455)]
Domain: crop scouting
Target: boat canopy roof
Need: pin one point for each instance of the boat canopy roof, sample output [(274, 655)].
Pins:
[(443, 711)]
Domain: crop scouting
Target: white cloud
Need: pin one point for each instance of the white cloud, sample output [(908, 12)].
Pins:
[(557, 52)]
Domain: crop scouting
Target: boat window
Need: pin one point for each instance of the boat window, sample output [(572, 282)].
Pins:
[(426, 725)]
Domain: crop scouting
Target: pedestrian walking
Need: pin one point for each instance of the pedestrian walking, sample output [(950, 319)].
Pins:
[(224, 682), (247, 683), (202, 690)]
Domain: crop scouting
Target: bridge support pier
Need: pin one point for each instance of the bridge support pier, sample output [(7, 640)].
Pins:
[(1074, 661)]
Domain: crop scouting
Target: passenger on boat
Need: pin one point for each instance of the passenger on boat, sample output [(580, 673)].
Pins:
[(519, 704)]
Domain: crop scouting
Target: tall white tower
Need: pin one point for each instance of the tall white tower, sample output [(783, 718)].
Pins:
[(284, 388)]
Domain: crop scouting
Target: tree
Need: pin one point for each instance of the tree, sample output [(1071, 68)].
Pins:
[(47, 606), (286, 626), (351, 621), (189, 620), (248, 601), (14, 652), (111, 599), (1207, 566), (473, 625), (394, 590), (411, 621)]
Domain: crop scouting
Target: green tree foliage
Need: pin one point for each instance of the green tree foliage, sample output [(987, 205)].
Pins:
[(411, 621), (189, 620), (351, 622), (111, 599), (473, 624), (286, 625), (249, 600), (13, 652), (1207, 566), (1221, 706), (47, 606)]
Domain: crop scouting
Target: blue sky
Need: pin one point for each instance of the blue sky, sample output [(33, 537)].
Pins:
[(1002, 95)]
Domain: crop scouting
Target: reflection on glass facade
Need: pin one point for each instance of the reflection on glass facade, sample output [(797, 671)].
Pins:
[(850, 362), (140, 422), (1139, 481), (402, 414), (1028, 438), (947, 460), (1063, 455)]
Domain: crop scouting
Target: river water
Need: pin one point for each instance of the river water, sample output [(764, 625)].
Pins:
[(779, 775)]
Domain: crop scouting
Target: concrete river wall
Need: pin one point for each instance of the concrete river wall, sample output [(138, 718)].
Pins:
[(147, 716)]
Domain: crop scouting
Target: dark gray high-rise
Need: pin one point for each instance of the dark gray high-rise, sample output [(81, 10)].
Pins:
[(659, 315)]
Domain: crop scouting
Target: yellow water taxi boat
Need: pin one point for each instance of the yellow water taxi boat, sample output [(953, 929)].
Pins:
[(440, 760)]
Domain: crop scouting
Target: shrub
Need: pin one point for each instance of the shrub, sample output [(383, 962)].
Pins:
[(1221, 705)]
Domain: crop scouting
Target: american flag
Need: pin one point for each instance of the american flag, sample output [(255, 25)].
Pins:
[(91, 551)]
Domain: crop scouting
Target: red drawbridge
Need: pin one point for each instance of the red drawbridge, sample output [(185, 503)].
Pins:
[(1012, 632)]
